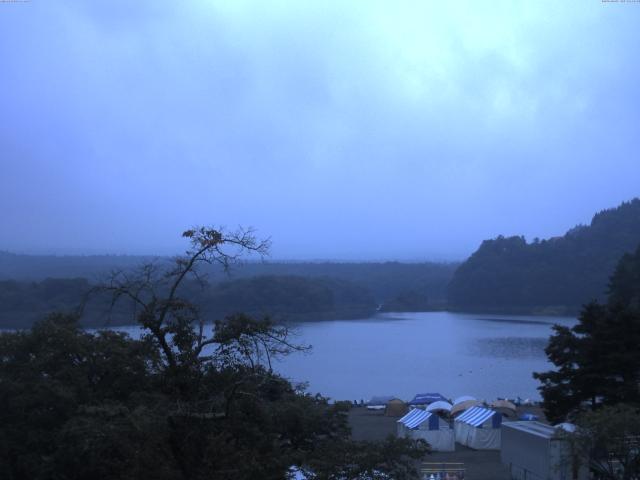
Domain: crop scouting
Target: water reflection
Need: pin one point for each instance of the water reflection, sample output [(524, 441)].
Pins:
[(517, 321), (510, 347), (402, 354)]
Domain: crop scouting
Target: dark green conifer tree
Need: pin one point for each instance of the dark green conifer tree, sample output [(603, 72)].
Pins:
[(598, 359)]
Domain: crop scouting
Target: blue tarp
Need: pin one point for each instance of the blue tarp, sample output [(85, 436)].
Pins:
[(528, 417), (426, 398)]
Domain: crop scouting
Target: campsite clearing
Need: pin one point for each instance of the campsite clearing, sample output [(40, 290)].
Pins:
[(478, 464)]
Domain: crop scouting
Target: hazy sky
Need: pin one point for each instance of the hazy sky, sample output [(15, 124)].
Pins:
[(363, 130)]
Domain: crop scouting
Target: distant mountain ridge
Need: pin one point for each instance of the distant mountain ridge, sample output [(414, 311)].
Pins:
[(557, 275)]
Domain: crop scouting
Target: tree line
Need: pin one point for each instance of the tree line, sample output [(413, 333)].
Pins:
[(384, 280), (596, 380), (285, 298)]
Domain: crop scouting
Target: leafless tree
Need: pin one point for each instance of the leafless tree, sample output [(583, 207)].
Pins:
[(174, 322)]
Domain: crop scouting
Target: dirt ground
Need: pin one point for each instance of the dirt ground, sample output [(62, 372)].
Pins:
[(478, 464)]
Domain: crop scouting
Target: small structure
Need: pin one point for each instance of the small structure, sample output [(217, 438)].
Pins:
[(426, 398), (479, 428), (395, 408), (379, 402), (535, 450), (420, 424)]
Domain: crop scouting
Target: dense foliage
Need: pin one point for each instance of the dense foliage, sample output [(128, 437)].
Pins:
[(286, 298), (289, 297), (557, 275), (385, 280), (410, 301), (79, 405), (607, 441), (181, 402), (22, 303), (598, 360)]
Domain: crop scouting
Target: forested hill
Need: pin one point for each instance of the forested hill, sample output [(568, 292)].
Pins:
[(291, 291), (385, 280), (557, 275), (284, 298)]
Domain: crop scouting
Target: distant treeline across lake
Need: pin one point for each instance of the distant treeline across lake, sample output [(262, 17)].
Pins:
[(507, 275), (286, 291)]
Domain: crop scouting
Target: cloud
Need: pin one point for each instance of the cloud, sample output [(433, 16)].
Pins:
[(314, 120)]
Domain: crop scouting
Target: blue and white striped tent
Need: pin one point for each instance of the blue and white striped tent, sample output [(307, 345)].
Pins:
[(417, 417), (420, 424), (477, 416), (479, 428)]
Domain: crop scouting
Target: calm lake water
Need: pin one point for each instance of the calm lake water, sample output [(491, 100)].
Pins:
[(405, 353), (401, 354)]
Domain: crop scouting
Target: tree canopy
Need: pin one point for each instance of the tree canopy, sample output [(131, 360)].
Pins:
[(598, 360), (185, 401), (557, 275), (607, 441)]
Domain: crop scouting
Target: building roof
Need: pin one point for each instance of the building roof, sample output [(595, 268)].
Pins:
[(533, 428)]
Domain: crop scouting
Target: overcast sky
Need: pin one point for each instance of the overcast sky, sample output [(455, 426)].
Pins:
[(343, 130)]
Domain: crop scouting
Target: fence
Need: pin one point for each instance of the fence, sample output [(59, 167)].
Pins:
[(443, 471)]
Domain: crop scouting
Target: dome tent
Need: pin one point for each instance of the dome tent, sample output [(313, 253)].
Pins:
[(426, 398), (463, 398), (395, 408), (440, 405), (505, 407), (460, 407)]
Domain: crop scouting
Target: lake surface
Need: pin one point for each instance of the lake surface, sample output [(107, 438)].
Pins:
[(405, 353), (402, 354)]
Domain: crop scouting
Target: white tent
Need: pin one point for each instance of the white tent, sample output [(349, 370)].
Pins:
[(420, 424), (440, 405), (479, 428)]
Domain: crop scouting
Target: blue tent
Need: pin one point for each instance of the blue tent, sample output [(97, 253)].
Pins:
[(528, 417), (426, 398)]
